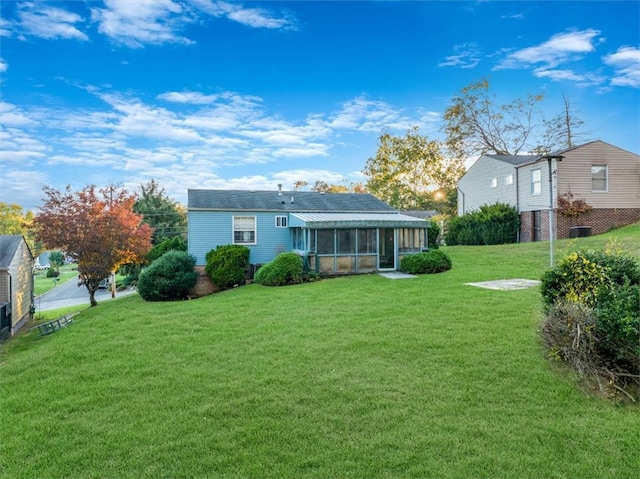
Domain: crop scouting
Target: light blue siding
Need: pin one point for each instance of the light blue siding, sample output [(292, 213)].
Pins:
[(210, 229)]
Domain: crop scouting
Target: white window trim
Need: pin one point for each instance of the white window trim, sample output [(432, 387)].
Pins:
[(539, 182), (606, 179), (281, 221), (494, 182), (233, 230), (508, 179)]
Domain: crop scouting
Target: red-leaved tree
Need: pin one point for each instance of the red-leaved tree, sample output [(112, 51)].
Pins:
[(95, 227)]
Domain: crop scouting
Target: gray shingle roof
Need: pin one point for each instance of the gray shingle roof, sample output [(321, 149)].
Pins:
[(8, 246), (514, 159), (303, 201)]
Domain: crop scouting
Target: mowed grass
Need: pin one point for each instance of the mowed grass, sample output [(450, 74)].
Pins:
[(355, 377)]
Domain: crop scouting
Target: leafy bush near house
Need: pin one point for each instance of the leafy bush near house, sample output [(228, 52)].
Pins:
[(491, 224), (285, 269), (168, 278), (592, 318), (227, 264), (428, 262), (434, 235)]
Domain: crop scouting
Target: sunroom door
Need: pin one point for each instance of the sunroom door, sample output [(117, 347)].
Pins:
[(386, 248)]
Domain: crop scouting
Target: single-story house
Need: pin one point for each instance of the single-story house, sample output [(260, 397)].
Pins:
[(16, 284), (606, 177), (334, 233)]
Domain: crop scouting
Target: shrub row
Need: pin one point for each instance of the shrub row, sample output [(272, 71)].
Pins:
[(492, 224)]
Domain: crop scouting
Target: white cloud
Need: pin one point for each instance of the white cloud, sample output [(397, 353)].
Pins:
[(626, 62), (193, 98), (560, 48), (588, 79), (466, 55), (6, 27), (50, 22), (24, 184), (140, 22), (4, 66), (10, 116), (250, 17)]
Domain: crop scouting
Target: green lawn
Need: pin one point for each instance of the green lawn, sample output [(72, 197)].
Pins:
[(355, 377), (42, 284)]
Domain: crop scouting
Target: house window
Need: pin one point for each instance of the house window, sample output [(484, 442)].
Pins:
[(411, 240), (494, 182), (536, 181), (281, 221), (599, 175), (508, 179), (244, 230)]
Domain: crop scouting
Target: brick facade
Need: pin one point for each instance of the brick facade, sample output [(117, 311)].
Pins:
[(600, 220), (203, 286)]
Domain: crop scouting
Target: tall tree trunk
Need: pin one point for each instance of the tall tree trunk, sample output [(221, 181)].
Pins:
[(92, 297)]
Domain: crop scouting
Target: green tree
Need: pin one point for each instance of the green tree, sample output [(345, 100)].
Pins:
[(56, 259), (167, 218), (408, 171), (15, 221)]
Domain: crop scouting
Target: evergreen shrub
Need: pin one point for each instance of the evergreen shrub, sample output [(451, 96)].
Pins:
[(169, 278), (428, 262), (227, 265), (285, 269), (491, 224)]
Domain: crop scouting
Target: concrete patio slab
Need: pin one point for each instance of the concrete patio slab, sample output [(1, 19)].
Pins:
[(397, 275), (507, 284)]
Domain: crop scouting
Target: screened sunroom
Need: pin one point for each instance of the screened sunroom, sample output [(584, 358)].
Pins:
[(344, 243)]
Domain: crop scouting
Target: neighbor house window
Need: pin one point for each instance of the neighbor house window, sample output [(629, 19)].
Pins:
[(536, 181), (494, 182), (508, 179), (599, 176), (281, 221), (244, 230)]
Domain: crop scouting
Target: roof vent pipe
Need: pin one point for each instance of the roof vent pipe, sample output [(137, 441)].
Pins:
[(292, 199), (279, 189)]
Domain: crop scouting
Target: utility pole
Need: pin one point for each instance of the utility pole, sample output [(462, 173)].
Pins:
[(549, 159)]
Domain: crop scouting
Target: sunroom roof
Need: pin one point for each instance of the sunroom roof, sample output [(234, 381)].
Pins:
[(355, 220)]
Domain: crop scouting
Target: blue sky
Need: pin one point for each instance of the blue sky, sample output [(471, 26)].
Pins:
[(246, 95)]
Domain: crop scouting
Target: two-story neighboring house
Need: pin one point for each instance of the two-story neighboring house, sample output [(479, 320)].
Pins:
[(16, 284), (335, 233), (606, 177)]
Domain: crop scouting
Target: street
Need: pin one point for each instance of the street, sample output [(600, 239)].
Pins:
[(70, 294)]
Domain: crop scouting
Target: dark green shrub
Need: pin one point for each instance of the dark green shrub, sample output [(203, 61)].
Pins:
[(56, 259), (492, 224), (175, 243), (285, 269), (434, 235), (168, 278), (52, 273), (428, 262), (227, 265)]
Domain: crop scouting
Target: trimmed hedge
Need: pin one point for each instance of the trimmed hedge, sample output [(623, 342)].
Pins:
[(492, 224), (169, 278), (227, 265), (285, 269), (428, 262)]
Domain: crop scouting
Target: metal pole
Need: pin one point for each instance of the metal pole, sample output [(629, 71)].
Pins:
[(550, 212)]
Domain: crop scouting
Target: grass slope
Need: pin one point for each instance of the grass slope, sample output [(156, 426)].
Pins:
[(355, 377)]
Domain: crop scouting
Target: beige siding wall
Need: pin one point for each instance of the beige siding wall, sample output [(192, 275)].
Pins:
[(21, 270), (574, 174), (474, 188)]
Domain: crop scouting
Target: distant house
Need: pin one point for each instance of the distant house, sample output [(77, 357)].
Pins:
[(16, 284), (335, 233), (606, 177)]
